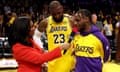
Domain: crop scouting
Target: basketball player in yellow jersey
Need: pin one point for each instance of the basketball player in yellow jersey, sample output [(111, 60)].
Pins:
[(58, 28)]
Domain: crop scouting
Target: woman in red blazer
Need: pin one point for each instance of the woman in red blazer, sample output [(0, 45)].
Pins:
[(29, 55)]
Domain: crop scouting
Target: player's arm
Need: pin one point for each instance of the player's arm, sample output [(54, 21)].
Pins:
[(43, 25)]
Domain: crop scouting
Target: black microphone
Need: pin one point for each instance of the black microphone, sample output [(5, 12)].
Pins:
[(74, 31)]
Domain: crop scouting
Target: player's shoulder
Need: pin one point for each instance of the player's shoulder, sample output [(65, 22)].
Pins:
[(70, 18), (44, 21), (43, 25), (101, 37)]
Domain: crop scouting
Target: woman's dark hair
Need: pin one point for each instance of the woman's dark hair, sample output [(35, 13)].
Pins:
[(19, 31)]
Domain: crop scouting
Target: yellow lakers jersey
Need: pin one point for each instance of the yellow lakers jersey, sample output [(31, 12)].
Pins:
[(86, 47), (91, 50), (58, 33)]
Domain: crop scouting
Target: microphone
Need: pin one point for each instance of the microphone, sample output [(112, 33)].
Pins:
[(74, 31)]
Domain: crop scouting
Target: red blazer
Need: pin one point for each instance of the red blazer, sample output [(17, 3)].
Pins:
[(30, 59)]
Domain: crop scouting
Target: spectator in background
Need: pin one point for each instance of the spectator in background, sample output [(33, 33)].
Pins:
[(27, 53), (117, 17), (101, 14), (7, 21), (7, 8), (108, 29), (45, 11), (117, 27), (117, 59), (1, 24), (11, 19), (97, 21)]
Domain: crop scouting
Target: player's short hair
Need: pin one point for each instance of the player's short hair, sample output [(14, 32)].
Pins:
[(54, 4), (84, 12)]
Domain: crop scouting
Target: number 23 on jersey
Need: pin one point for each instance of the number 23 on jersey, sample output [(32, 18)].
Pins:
[(59, 38)]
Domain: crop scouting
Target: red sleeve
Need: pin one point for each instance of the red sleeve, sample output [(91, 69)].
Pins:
[(31, 55)]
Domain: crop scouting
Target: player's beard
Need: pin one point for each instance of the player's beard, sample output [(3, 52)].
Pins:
[(58, 20), (82, 28)]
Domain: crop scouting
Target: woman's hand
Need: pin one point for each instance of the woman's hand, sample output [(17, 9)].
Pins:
[(65, 46)]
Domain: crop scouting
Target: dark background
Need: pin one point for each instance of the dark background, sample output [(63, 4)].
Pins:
[(107, 6)]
